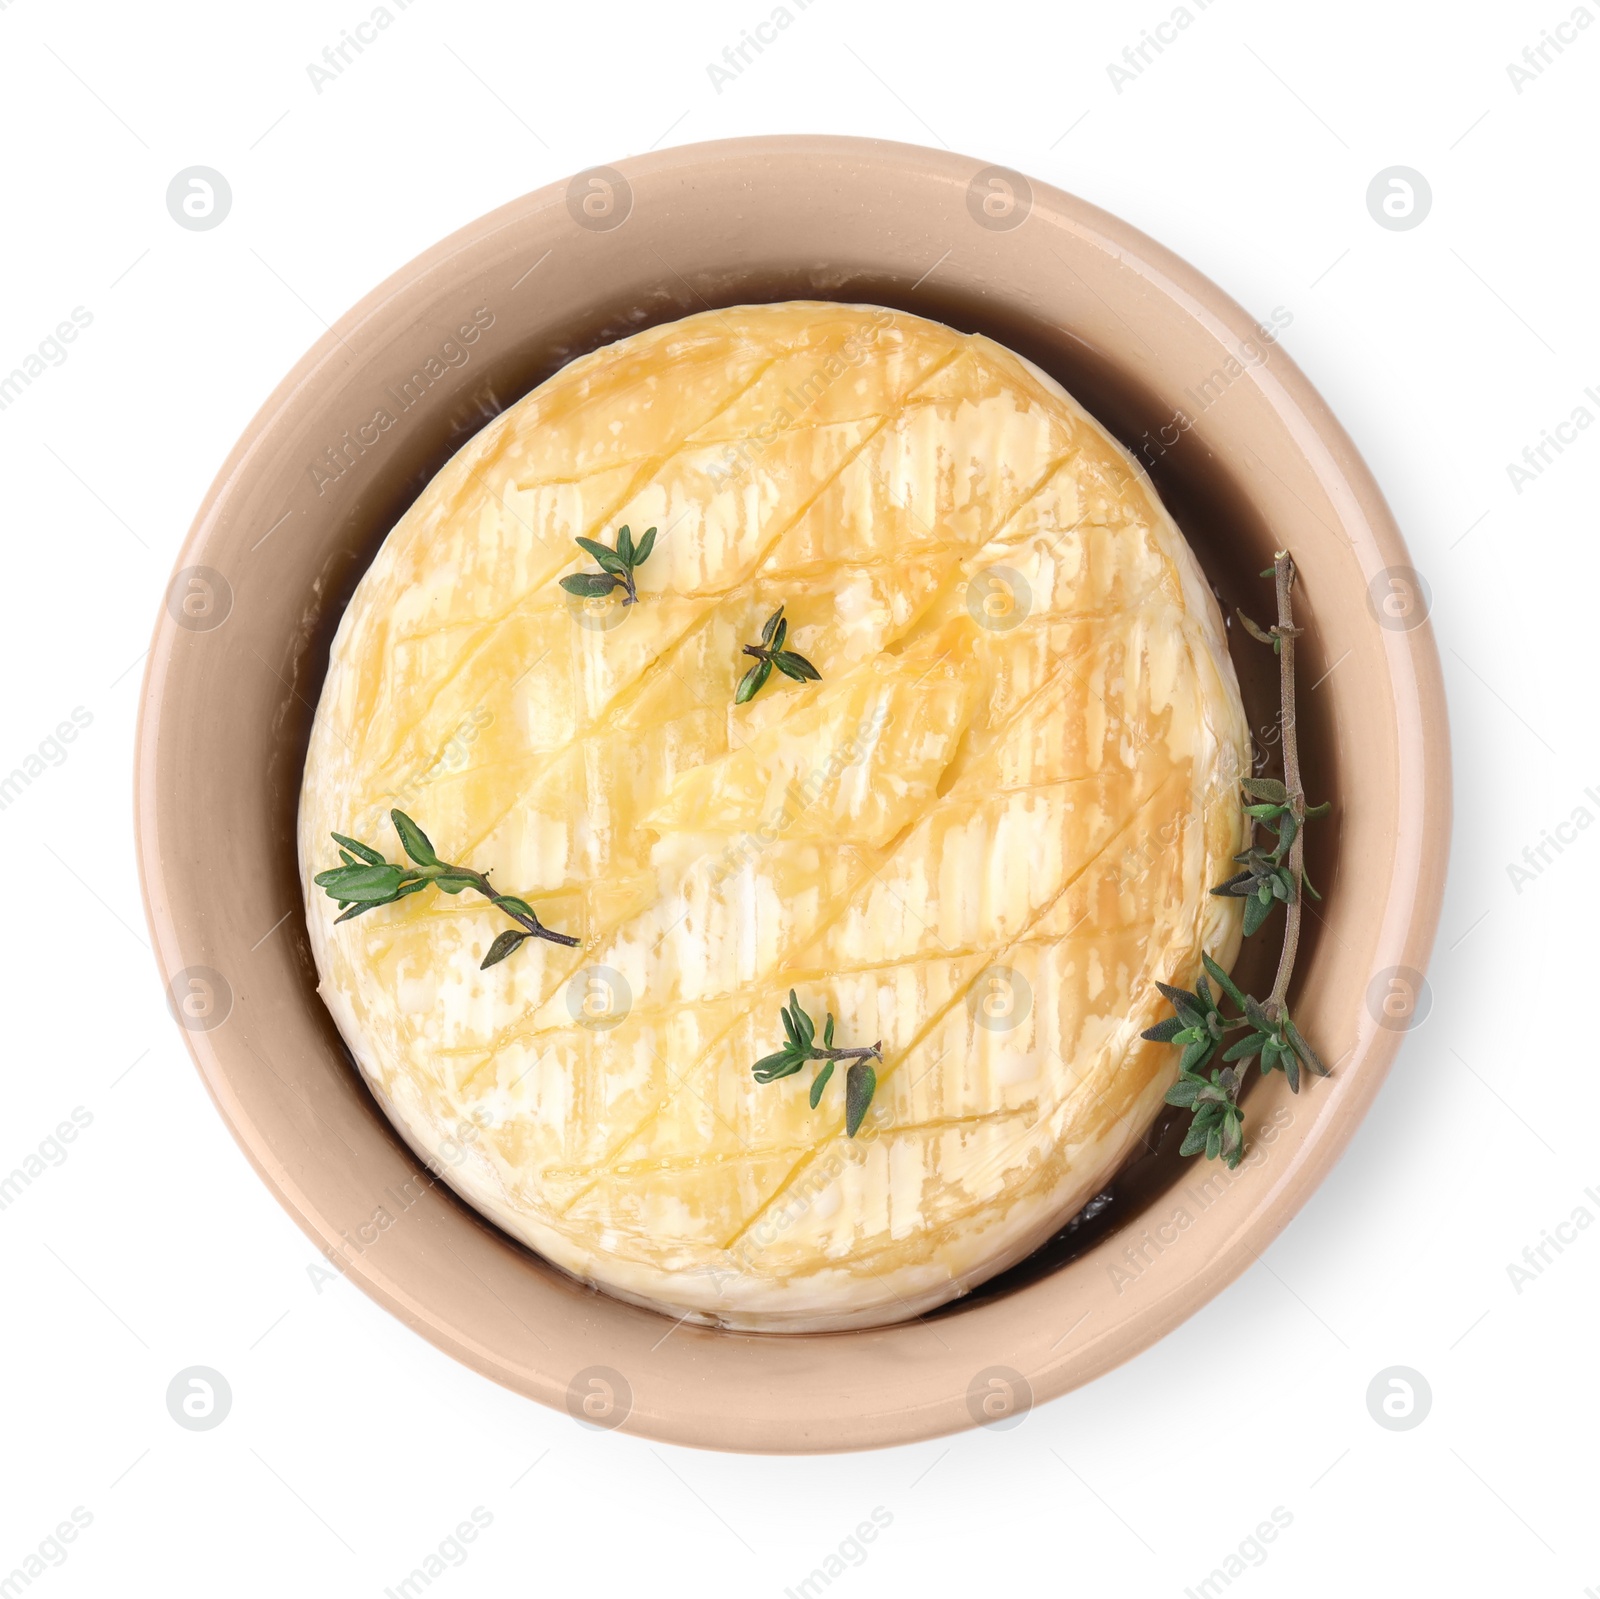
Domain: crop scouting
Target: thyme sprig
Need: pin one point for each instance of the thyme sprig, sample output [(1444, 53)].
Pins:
[(860, 1081), (366, 880), (1266, 879), (616, 567), (1271, 876), (770, 653)]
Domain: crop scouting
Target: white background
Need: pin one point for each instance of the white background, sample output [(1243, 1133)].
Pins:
[(352, 1448)]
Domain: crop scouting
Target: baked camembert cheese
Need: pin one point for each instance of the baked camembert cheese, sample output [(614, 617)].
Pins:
[(979, 840)]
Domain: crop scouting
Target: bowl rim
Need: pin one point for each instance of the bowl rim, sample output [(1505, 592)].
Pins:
[(921, 1407)]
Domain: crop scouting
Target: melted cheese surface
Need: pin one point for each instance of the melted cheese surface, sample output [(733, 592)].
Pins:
[(979, 839)]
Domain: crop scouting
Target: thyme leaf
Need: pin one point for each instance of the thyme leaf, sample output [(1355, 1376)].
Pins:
[(366, 880), (616, 567), (770, 653), (800, 1046)]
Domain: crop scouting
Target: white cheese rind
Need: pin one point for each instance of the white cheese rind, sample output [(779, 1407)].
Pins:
[(1052, 798)]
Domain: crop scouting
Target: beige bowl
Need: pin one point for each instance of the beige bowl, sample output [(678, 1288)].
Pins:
[(1246, 456)]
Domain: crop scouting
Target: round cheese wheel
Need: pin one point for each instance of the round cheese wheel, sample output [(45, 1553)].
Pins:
[(976, 842)]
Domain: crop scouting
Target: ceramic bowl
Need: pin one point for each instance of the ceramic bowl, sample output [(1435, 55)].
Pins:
[(1247, 457)]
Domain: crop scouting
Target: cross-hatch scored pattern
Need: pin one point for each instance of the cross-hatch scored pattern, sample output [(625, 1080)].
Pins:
[(979, 839)]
